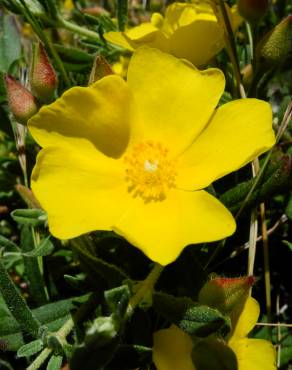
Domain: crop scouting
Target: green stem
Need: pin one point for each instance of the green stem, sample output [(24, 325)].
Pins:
[(145, 288), (17, 305), (77, 29), (40, 359), (61, 334)]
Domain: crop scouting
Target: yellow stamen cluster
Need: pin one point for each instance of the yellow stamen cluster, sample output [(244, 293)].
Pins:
[(149, 171)]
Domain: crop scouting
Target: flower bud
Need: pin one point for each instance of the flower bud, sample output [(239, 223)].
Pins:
[(100, 69), (225, 293), (43, 79), (276, 46), (21, 102), (252, 10)]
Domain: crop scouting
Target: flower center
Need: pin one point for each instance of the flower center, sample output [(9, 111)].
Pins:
[(149, 171)]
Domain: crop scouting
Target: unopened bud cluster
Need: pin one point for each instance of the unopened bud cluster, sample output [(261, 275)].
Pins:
[(43, 81)]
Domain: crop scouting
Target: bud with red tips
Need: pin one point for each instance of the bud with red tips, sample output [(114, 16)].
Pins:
[(276, 46), (100, 69), (21, 102), (225, 293), (43, 79), (252, 10)]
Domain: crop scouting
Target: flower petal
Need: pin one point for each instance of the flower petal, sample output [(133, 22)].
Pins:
[(96, 116), (175, 101), (254, 354), (80, 191), (172, 349), (144, 34), (238, 132), (162, 229), (244, 318)]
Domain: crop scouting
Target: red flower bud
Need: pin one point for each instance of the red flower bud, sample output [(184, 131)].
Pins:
[(252, 10), (100, 69), (225, 293), (43, 79), (21, 102)]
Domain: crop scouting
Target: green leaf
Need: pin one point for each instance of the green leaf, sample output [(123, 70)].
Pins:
[(32, 268), (17, 305), (10, 47), (122, 13), (7, 243), (288, 244), (55, 362), (74, 55), (30, 349), (32, 217), (52, 315), (45, 248), (118, 299), (211, 353), (194, 319)]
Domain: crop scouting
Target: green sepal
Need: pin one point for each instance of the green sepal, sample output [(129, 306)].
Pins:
[(212, 353), (194, 319)]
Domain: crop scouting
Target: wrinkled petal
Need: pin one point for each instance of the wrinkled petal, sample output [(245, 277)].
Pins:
[(254, 354), (175, 101), (238, 132), (244, 318), (172, 349), (98, 116), (144, 34), (162, 229), (180, 43), (81, 192)]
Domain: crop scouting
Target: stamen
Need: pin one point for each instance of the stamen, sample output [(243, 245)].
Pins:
[(149, 171)]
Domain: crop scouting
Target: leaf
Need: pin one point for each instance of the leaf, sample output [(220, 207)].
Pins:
[(118, 299), (10, 47), (122, 13), (30, 349), (194, 319), (45, 248), (55, 362), (7, 243), (32, 217), (288, 244), (52, 315)]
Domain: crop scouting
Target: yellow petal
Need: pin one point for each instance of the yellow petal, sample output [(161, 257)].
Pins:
[(175, 101), (118, 38), (244, 318), (187, 42), (237, 133), (80, 191), (98, 116), (157, 20), (172, 349), (254, 354), (185, 24), (144, 34), (162, 229)]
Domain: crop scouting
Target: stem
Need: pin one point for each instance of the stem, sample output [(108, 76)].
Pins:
[(40, 359), (61, 334), (146, 287), (77, 29)]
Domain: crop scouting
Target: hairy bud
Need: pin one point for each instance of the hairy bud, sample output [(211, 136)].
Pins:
[(21, 102)]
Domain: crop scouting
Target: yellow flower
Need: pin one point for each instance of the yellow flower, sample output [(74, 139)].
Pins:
[(133, 156), (121, 67), (68, 4), (188, 31), (172, 347)]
